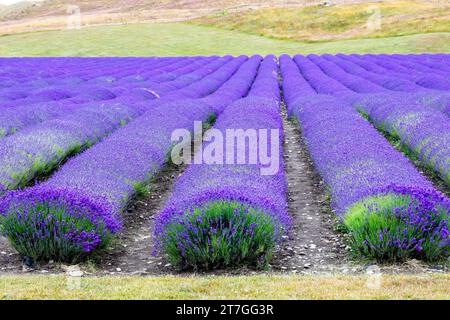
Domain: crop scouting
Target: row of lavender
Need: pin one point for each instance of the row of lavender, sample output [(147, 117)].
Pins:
[(225, 213), (390, 209), (78, 210), (422, 128)]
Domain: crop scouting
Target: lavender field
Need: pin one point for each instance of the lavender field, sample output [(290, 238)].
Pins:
[(87, 167)]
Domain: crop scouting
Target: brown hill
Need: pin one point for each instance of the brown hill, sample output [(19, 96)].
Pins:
[(55, 14)]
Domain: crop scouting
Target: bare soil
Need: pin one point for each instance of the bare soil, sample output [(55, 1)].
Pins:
[(314, 245)]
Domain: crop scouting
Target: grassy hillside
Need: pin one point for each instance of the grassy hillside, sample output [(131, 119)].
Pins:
[(406, 27), (24, 10), (305, 20), (183, 39), (53, 14), (16, 9), (322, 23)]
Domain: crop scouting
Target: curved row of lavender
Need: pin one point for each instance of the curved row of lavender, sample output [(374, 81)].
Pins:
[(424, 77), (57, 94), (226, 213), (391, 210), (422, 130), (436, 99), (389, 78), (27, 74), (52, 81), (78, 210), (38, 149), (436, 63), (362, 70), (66, 99), (56, 99)]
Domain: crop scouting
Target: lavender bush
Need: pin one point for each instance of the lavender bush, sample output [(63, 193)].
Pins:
[(399, 223), (439, 102), (62, 224)]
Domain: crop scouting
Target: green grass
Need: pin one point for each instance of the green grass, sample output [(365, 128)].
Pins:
[(183, 39), (424, 286)]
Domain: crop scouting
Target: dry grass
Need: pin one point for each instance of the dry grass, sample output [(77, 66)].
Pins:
[(355, 21), (53, 14), (220, 287), (287, 19)]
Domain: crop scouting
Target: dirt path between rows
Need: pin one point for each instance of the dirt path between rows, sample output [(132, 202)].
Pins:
[(314, 245), (133, 252)]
